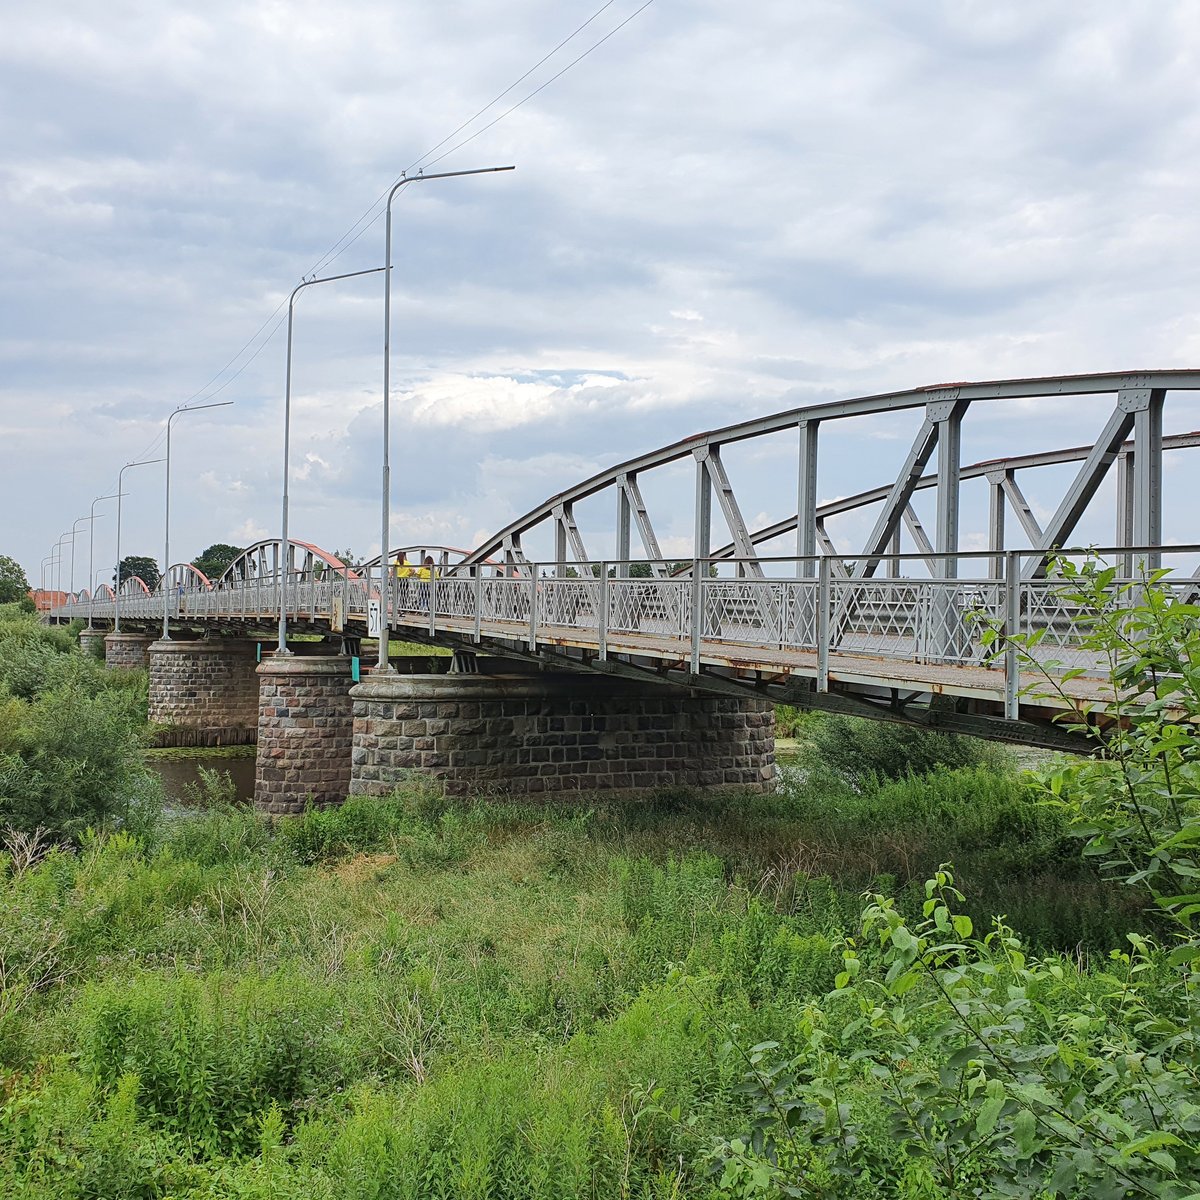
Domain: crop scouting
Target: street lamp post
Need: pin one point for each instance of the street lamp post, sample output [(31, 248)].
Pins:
[(383, 664), (164, 582), (73, 532), (91, 553), (287, 444), (59, 547), (121, 492), (48, 564)]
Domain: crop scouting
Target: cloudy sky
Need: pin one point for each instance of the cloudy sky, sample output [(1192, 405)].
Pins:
[(722, 211)]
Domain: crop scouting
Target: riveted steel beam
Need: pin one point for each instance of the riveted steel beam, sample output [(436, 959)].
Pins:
[(919, 536), (947, 414), (1016, 497), (623, 530), (830, 551), (702, 535), (566, 531), (738, 528), (1147, 474), (996, 520), (1090, 475), (630, 502), (1073, 385), (806, 498), (898, 497)]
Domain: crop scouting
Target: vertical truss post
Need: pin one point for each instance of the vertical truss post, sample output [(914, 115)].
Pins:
[(947, 416), (702, 538), (560, 543), (533, 603), (1012, 622), (996, 524), (623, 528), (893, 567), (824, 623), (478, 569), (1125, 462), (945, 631), (806, 500), (697, 611), (432, 600), (1147, 475), (602, 616)]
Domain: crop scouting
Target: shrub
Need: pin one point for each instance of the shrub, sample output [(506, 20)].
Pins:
[(859, 750), (78, 763)]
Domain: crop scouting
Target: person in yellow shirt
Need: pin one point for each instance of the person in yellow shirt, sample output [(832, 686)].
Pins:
[(424, 574), (403, 570)]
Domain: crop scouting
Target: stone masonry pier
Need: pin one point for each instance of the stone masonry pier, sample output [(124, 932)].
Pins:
[(127, 651), (205, 693), (304, 733), (554, 733)]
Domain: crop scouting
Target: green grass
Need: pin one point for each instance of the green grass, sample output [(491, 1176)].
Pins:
[(170, 753), (411, 997)]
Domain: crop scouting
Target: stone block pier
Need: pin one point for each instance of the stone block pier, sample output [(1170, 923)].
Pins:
[(322, 736)]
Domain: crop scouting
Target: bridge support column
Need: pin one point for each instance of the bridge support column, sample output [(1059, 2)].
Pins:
[(555, 733), (305, 720), (204, 693), (127, 651), (91, 641)]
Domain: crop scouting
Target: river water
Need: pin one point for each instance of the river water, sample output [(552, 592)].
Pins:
[(177, 774)]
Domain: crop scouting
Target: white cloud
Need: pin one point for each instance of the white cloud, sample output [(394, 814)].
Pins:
[(697, 232)]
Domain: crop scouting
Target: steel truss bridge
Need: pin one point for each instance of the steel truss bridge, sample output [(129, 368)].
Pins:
[(895, 630)]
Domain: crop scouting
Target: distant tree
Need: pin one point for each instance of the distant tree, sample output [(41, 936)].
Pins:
[(216, 558), (346, 557), (14, 585), (146, 569)]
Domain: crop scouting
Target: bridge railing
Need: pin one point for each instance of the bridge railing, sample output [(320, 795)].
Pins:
[(908, 611), (922, 609)]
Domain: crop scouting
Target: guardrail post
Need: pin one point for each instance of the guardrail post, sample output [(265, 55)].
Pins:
[(602, 627), (824, 621), (478, 604), (533, 613), (433, 581), (697, 615), (1012, 620)]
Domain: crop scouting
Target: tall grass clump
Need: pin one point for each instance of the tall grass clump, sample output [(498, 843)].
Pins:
[(860, 751)]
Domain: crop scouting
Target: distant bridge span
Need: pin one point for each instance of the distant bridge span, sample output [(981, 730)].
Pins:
[(892, 630)]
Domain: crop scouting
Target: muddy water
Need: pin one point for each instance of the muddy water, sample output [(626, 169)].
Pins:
[(178, 773)]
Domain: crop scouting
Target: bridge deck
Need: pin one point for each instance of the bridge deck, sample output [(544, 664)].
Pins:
[(973, 682)]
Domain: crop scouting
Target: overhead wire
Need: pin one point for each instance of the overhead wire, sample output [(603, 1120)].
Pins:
[(371, 215)]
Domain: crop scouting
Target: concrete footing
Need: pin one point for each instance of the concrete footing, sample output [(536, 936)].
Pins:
[(305, 721), (554, 733)]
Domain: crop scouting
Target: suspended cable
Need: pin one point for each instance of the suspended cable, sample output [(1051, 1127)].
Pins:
[(372, 214)]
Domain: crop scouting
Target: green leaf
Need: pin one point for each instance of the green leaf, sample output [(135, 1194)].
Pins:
[(1024, 1129), (989, 1113)]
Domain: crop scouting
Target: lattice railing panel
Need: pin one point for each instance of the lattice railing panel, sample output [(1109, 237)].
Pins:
[(657, 606), (572, 602)]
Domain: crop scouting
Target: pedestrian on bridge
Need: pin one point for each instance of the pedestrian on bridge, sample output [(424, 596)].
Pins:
[(403, 571), (425, 573)]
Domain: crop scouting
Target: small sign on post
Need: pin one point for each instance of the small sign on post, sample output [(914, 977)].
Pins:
[(337, 619), (374, 619)]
